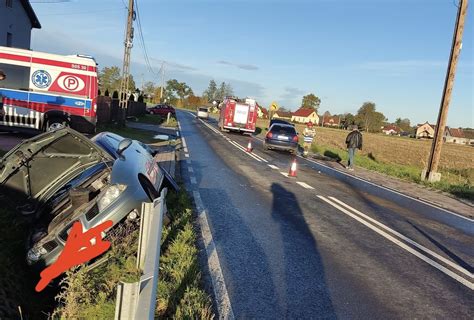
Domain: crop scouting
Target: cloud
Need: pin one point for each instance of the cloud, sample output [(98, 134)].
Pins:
[(248, 67), (175, 65)]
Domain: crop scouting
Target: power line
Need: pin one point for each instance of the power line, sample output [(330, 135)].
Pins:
[(142, 42)]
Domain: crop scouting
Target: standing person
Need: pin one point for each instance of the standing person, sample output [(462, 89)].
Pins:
[(353, 142), (2, 112), (308, 135)]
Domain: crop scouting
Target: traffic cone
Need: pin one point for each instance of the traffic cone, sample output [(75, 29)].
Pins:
[(249, 146), (292, 172)]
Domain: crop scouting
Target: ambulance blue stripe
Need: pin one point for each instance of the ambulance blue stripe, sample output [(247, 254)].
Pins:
[(46, 98)]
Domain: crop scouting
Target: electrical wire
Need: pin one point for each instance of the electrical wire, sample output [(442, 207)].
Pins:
[(142, 44)]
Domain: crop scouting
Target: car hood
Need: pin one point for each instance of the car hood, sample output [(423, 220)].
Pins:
[(38, 166)]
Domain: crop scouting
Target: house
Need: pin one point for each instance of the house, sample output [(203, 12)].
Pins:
[(332, 121), (282, 115), (391, 130), (304, 115), (17, 18), (453, 135), (425, 130), (262, 113)]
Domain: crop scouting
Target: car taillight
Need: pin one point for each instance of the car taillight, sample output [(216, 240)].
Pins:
[(269, 135), (295, 139)]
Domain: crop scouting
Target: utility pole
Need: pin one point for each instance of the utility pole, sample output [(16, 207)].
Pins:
[(162, 80), (431, 173), (126, 64)]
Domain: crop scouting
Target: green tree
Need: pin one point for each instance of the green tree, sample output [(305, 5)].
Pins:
[(149, 88), (225, 90), (175, 88), (211, 92), (369, 119), (109, 78), (311, 101), (347, 119), (403, 124)]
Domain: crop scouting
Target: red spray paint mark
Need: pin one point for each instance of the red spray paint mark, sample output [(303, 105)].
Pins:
[(77, 250)]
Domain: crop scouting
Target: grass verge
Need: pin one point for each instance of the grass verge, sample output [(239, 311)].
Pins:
[(91, 294), (150, 119)]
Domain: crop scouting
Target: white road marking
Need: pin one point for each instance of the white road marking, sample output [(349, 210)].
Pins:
[(177, 133), (190, 169), (186, 150), (242, 149), (218, 281), (419, 255), (186, 155), (273, 167), (193, 180), (184, 142), (245, 150), (304, 185), (388, 189), (410, 241), (285, 174)]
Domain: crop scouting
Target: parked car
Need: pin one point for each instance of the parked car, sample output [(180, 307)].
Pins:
[(281, 136), (162, 110), (61, 177), (203, 112)]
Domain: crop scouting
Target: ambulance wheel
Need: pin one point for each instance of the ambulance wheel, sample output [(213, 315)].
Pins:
[(56, 124)]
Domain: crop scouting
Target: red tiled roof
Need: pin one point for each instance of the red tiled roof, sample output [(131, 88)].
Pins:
[(303, 112), (264, 111), (282, 114), (333, 119), (391, 127), (457, 133)]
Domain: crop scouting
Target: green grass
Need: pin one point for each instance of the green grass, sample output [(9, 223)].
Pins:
[(135, 134), (462, 189), (91, 294), (151, 119)]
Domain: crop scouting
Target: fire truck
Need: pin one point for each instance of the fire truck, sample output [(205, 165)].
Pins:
[(238, 115), (45, 91)]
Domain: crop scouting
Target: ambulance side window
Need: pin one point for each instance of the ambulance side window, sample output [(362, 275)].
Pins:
[(17, 77)]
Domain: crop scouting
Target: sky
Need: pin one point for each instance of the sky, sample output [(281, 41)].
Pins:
[(391, 52)]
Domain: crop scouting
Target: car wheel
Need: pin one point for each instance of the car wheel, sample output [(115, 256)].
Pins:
[(148, 188), (54, 124)]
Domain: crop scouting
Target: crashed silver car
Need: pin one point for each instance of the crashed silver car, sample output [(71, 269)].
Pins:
[(60, 177)]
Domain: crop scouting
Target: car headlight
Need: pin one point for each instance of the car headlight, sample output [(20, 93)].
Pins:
[(35, 253), (109, 196)]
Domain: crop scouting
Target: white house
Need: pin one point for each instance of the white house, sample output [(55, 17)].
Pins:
[(17, 18), (304, 115)]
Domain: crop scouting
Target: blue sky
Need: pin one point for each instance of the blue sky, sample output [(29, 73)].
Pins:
[(391, 52)]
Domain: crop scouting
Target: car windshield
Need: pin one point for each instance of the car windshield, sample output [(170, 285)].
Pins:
[(203, 109)]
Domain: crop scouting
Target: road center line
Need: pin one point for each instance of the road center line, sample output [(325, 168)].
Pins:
[(273, 167), (304, 185), (387, 236), (242, 149)]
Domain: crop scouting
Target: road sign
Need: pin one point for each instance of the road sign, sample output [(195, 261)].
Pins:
[(274, 106)]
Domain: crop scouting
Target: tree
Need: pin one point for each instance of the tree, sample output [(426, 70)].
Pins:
[(225, 90), (368, 118), (211, 92), (109, 78), (181, 89), (403, 124), (311, 101), (149, 88), (347, 119)]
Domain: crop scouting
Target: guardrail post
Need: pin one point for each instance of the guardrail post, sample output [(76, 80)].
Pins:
[(127, 296)]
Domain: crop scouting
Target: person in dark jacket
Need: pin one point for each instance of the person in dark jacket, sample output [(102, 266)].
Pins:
[(353, 142)]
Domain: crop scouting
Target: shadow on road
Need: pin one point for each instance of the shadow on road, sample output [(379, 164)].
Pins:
[(303, 282)]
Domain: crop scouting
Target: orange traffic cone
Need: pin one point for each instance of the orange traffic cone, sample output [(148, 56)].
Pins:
[(249, 146), (292, 172)]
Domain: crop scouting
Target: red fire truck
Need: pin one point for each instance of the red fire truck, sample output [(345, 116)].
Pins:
[(238, 115)]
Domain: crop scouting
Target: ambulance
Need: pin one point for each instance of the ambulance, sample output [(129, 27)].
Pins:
[(44, 91)]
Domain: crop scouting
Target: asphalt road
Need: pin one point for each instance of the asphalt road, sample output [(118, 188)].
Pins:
[(314, 246)]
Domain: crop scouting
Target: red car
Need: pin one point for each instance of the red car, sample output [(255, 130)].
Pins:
[(162, 110)]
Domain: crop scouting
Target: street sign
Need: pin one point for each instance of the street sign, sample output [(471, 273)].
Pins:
[(274, 106)]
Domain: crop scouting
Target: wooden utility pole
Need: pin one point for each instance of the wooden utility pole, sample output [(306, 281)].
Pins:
[(126, 64), (431, 173), (162, 80)]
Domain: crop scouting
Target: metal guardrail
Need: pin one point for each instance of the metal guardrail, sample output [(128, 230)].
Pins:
[(138, 300)]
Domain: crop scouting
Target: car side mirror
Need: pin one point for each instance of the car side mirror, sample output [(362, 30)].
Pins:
[(123, 145)]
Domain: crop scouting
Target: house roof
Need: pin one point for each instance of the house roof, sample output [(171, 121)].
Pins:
[(31, 14), (457, 133), (469, 134), (391, 127), (303, 112), (264, 111), (332, 119), (283, 114)]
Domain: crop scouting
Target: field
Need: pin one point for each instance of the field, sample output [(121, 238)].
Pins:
[(401, 157)]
